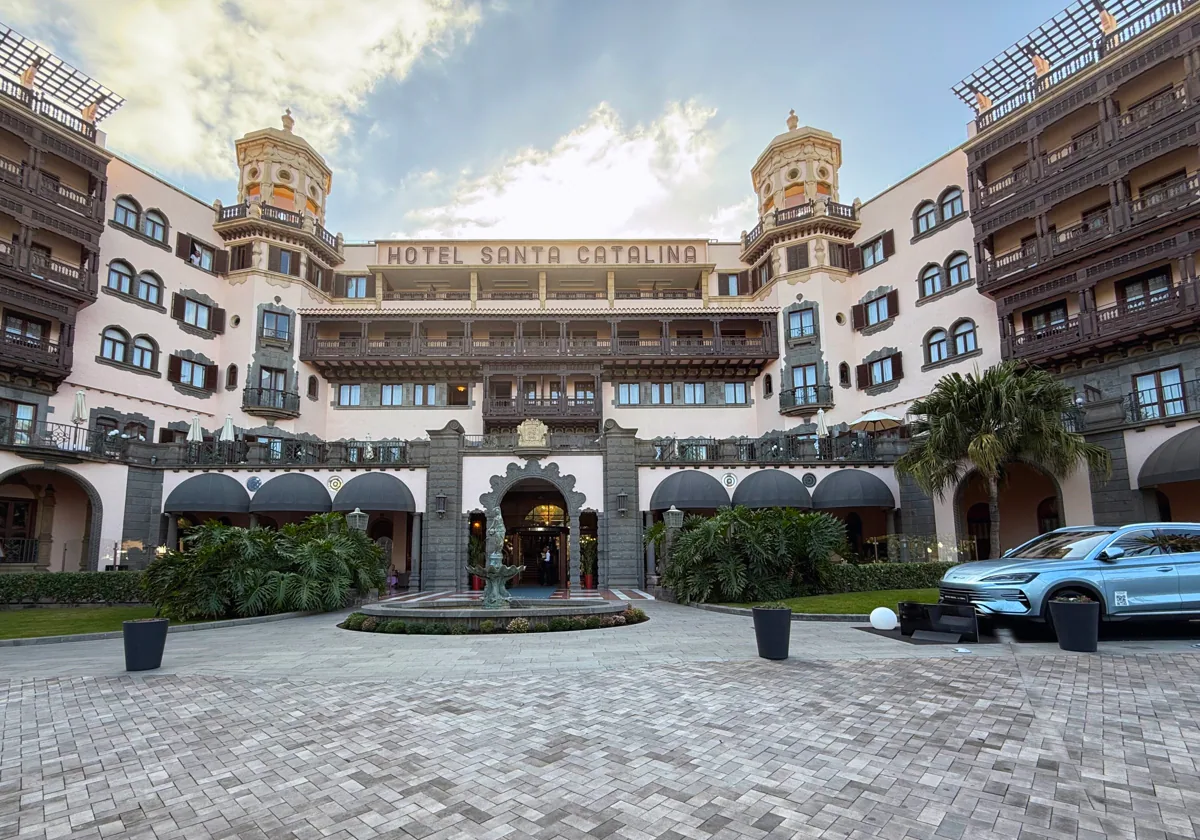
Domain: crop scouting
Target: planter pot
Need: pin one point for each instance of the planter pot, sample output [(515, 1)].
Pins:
[(773, 631), (476, 583), (144, 642), (589, 581), (1077, 625)]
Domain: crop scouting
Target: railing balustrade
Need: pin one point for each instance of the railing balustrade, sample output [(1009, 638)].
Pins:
[(1165, 199), (271, 399), (349, 348), (806, 396), (62, 437), (772, 449), (1163, 402)]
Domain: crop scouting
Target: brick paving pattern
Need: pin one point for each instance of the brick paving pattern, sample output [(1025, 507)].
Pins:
[(1038, 745)]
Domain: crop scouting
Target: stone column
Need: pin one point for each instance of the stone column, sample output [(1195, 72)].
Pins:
[(623, 534), (414, 557), (573, 547), (542, 288), (172, 532), (612, 287), (474, 288), (45, 545), (443, 537), (651, 571)]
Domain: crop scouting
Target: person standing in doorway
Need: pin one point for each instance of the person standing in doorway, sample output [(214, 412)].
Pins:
[(545, 570)]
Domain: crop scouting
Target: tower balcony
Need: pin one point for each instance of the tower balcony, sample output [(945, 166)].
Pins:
[(254, 217), (840, 218)]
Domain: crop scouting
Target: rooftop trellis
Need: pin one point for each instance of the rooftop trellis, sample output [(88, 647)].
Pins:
[(1069, 41), (55, 78)]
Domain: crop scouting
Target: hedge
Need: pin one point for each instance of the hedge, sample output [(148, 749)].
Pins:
[(71, 588), (867, 577)]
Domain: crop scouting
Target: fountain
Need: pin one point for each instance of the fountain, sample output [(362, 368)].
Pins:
[(495, 574)]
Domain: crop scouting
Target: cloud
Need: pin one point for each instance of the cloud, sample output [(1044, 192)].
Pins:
[(601, 179), (728, 222), (196, 76)]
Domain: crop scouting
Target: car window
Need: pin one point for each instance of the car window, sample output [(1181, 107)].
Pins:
[(1139, 543), (1061, 545), (1179, 540)]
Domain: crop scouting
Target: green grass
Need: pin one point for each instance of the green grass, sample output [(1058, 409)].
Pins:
[(64, 621), (859, 603)]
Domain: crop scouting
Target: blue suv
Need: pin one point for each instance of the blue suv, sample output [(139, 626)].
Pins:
[(1148, 570)]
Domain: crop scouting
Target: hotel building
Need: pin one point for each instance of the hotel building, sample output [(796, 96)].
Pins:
[(166, 360)]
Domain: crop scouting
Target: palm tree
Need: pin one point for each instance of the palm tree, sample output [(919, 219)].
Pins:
[(987, 422)]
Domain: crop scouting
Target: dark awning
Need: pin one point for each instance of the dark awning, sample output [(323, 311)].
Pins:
[(772, 489), (291, 492), (208, 493), (375, 491), (1176, 459), (852, 489), (689, 490)]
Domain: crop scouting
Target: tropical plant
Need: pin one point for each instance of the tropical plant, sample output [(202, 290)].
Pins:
[(986, 423), (751, 555), (587, 555), (656, 535)]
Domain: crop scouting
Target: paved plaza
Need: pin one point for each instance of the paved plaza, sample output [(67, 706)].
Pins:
[(672, 729)]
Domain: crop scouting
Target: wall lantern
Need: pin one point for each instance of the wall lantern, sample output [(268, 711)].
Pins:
[(622, 501), (357, 520), (441, 504)]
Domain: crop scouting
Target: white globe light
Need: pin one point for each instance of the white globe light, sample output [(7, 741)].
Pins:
[(883, 619)]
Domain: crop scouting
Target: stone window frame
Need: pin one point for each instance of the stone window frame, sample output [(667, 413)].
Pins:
[(952, 357), (941, 220), (944, 273)]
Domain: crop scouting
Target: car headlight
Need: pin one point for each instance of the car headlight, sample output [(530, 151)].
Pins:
[(1015, 577)]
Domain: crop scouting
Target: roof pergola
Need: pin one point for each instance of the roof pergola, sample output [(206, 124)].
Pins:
[(1061, 39), (55, 77)]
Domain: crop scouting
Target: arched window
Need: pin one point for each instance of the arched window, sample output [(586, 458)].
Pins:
[(935, 346), (114, 344), (145, 353), (952, 204), (149, 288), (155, 226), (768, 385), (231, 377), (926, 217), (127, 212), (312, 387), (931, 280), (964, 337), (120, 277), (844, 375), (958, 269)]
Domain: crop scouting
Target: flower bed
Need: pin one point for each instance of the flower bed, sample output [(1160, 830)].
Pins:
[(365, 623)]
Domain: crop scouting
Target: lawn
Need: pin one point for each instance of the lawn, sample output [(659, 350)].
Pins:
[(63, 621), (859, 603)]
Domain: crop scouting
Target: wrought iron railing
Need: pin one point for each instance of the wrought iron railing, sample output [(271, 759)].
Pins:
[(806, 396), (505, 441), (62, 437), (19, 549), (1163, 402), (349, 348), (772, 449), (271, 399)]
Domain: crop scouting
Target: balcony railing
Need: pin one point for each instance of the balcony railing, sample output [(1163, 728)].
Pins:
[(11, 172), (1076, 236), (805, 397), (658, 294), (507, 441), (549, 407), (64, 196), (1071, 151), (1151, 111), (271, 400), (772, 449), (19, 549), (1003, 187), (325, 236), (408, 294), (1165, 199), (517, 294), (233, 211), (793, 214), (37, 351), (284, 217), (1162, 403), (286, 453), (37, 103), (1012, 261), (61, 437), (352, 348), (754, 234)]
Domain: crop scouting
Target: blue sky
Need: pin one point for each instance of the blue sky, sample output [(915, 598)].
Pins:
[(533, 117)]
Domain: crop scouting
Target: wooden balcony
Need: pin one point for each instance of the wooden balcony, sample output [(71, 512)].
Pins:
[(1002, 187), (30, 265), (844, 214), (238, 219), (776, 448), (1011, 262), (1070, 152), (1165, 199), (40, 105), (541, 408), (24, 182), (1166, 104), (47, 359)]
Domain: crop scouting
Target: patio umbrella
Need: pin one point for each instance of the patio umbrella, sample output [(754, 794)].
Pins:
[(822, 429), (79, 414), (875, 421), (195, 433), (368, 450), (227, 433)]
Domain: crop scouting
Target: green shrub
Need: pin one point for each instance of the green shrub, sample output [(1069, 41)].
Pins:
[(437, 629), (618, 621), (459, 629), (774, 605), (869, 577), (559, 623), (592, 622), (539, 627), (634, 616), (354, 621), (72, 588), (518, 625), (578, 622), (487, 626), (369, 624), (608, 621), (393, 626)]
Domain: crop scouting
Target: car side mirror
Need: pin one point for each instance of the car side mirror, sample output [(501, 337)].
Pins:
[(1113, 552)]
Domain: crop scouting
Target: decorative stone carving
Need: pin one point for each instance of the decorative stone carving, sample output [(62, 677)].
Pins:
[(792, 121), (533, 434)]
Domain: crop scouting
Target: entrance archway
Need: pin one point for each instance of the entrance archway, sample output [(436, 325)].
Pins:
[(1030, 504), (538, 532), (51, 519)]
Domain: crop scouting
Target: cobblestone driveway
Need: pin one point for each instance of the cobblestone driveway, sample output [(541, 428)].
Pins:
[(1039, 745)]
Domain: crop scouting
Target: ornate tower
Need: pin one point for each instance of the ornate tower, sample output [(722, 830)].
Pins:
[(798, 166), (279, 168)]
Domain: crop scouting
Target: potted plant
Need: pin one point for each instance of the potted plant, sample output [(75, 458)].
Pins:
[(476, 548), (773, 629), (1076, 619), (587, 561), (144, 642)]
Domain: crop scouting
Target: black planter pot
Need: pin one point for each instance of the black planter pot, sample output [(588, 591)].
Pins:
[(773, 631), (1077, 625), (144, 642)]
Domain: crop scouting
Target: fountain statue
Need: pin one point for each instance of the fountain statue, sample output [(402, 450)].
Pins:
[(495, 574)]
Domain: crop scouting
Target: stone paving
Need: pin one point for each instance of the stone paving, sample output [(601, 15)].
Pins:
[(670, 730)]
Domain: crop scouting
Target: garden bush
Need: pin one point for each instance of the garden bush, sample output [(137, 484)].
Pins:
[(72, 588), (487, 626), (539, 627), (559, 623), (369, 624), (437, 629), (868, 577), (417, 629), (633, 615), (354, 621), (459, 630), (518, 625), (592, 622), (578, 622), (393, 626)]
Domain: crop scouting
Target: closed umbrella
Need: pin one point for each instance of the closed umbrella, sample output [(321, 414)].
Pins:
[(822, 429), (195, 433), (227, 433), (79, 414), (875, 421)]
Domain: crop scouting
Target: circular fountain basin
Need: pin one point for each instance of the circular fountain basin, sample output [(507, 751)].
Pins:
[(472, 615)]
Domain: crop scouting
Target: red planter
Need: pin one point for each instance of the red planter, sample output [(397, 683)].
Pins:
[(589, 581), (476, 583)]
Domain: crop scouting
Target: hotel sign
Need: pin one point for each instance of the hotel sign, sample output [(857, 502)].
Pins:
[(616, 253)]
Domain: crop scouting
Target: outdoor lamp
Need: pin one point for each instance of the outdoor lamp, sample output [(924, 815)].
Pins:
[(441, 504), (622, 500), (673, 517), (357, 520)]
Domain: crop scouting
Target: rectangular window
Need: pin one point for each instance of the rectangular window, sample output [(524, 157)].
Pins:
[(660, 394), (193, 373), (241, 256), (1046, 318), (197, 314), (872, 253), (16, 422), (881, 371), (693, 393), (729, 284), (424, 395), (802, 324), (356, 287), (629, 393), (804, 380), (272, 379), (349, 395), (797, 257), (877, 310), (289, 262), (1142, 291), (21, 329), (585, 392), (201, 256), (392, 395), (735, 393), (276, 325), (458, 393), (1160, 394)]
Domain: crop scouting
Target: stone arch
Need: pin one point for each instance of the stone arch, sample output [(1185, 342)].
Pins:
[(94, 501), (962, 533), (565, 484)]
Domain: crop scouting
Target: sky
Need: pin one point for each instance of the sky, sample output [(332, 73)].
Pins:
[(531, 118)]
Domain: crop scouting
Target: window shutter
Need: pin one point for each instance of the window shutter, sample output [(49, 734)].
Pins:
[(221, 262), (897, 367), (893, 303), (273, 258), (862, 376), (371, 286), (743, 282), (797, 257), (294, 264), (174, 364), (217, 322), (183, 246), (339, 286), (889, 243), (858, 316), (853, 258), (178, 302), (210, 377)]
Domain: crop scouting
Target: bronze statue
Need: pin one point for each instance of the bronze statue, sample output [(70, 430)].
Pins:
[(495, 573)]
